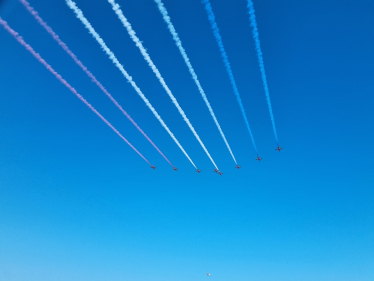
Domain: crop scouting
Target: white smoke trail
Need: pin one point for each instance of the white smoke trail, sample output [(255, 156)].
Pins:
[(111, 55), (35, 14), (146, 56), (178, 42)]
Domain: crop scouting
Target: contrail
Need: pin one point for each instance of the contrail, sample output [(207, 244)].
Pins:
[(84, 68), (63, 81), (115, 61), (255, 34), (178, 42), (146, 56), (226, 62)]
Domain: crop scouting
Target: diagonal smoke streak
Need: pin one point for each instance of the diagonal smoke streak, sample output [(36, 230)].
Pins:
[(115, 61), (84, 68), (256, 38), (63, 81), (178, 42), (146, 56), (226, 62)]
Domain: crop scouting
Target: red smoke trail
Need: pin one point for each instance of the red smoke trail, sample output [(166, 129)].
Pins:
[(63, 81), (78, 62)]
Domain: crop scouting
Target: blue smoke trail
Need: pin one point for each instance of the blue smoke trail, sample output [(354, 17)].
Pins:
[(252, 17), (226, 62)]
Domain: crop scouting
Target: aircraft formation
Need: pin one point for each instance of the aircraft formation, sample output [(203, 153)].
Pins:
[(129, 29)]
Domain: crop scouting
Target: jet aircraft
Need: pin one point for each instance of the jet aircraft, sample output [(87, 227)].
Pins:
[(175, 169), (153, 167), (217, 171), (279, 148), (258, 158), (197, 170), (238, 167)]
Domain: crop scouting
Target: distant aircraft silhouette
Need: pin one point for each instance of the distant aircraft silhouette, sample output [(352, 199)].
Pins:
[(217, 171), (279, 148)]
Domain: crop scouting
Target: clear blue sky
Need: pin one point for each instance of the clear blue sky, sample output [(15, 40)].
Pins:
[(76, 203)]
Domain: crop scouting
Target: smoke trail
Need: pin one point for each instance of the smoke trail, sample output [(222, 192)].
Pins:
[(146, 56), (63, 81), (255, 34), (226, 62), (78, 62), (115, 61), (178, 42)]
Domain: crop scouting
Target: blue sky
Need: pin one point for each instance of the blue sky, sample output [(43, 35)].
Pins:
[(76, 203)]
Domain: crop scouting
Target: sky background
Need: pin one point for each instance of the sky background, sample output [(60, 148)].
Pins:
[(77, 203)]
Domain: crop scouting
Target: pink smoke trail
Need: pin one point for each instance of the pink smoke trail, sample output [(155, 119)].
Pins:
[(84, 68), (63, 81)]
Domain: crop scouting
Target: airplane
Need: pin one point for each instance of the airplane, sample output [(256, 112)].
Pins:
[(279, 149), (175, 169), (238, 167), (220, 173), (215, 170), (258, 158), (197, 170), (153, 167)]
